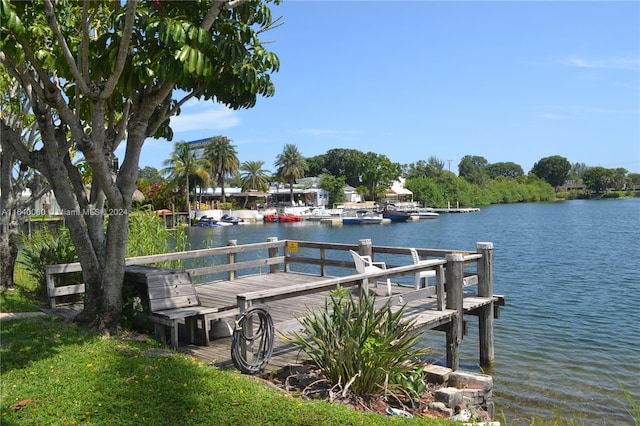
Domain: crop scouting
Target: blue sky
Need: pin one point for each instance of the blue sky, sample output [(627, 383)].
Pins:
[(506, 80)]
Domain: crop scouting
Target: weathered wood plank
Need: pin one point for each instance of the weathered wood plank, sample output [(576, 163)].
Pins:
[(288, 296)]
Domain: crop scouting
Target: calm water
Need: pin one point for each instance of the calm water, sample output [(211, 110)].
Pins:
[(568, 341)]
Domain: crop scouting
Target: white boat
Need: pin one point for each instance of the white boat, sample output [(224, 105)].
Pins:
[(425, 214), (362, 219), (320, 213)]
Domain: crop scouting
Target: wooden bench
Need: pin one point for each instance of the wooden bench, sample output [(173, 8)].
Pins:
[(172, 297)]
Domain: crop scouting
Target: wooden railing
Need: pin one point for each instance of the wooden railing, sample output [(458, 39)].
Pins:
[(454, 270), (222, 263)]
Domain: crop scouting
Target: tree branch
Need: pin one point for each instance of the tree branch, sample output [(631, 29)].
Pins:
[(215, 9), (121, 126), (123, 50), (11, 139), (71, 63), (83, 54), (168, 112), (48, 92), (12, 69)]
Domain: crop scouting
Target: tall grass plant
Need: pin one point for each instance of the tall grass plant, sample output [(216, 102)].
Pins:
[(360, 347)]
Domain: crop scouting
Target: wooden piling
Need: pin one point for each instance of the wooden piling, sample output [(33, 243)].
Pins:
[(454, 286), (485, 313), (273, 252), (364, 248), (231, 258)]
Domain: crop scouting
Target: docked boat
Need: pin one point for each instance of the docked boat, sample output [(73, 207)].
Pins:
[(288, 217), (424, 214), (282, 218), (396, 215), (363, 219), (207, 221), (319, 213), (231, 219), (271, 217)]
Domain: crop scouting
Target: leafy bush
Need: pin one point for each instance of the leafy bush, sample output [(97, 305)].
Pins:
[(368, 350), (44, 247), (147, 235)]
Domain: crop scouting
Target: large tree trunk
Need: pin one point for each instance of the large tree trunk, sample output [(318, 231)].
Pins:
[(223, 197), (103, 297), (291, 193), (8, 250), (10, 221)]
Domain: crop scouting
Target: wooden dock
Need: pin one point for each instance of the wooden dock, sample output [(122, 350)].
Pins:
[(291, 278), (218, 353)]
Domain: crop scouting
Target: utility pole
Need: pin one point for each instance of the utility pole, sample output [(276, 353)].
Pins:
[(449, 162)]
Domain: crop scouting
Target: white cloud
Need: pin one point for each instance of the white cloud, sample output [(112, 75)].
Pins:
[(569, 112), (552, 116), (204, 116), (615, 62)]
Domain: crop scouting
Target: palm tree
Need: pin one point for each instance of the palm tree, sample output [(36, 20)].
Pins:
[(182, 165), (223, 158), (291, 166), (253, 176)]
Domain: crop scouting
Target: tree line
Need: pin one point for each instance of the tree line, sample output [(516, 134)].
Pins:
[(478, 182)]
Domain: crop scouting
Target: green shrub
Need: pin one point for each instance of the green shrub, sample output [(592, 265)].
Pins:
[(367, 350), (44, 247), (148, 235)]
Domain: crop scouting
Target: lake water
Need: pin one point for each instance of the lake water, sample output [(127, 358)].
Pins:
[(568, 341)]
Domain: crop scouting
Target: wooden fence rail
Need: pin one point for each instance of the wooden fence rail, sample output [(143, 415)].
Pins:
[(454, 270)]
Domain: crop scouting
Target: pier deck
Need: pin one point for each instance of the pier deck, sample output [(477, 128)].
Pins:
[(218, 353), (280, 276)]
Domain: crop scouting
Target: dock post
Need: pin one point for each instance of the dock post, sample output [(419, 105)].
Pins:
[(243, 306), (273, 252), (323, 266), (231, 258), (485, 313), (454, 287), (364, 248), (440, 295)]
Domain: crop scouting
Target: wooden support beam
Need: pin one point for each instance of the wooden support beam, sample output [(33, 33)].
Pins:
[(273, 252), (231, 259), (454, 301), (486, 313)]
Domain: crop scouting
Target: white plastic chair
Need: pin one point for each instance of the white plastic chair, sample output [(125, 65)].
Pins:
[(422, 275), (364, 265)]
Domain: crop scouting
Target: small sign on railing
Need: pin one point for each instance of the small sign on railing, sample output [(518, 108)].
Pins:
[(292, 246), (463, 253)]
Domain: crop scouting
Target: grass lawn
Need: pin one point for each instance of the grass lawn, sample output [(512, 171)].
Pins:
[(23, 297), (57, 373), (54, 372)]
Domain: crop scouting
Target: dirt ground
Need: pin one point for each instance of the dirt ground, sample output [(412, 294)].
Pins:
[(307, 381)]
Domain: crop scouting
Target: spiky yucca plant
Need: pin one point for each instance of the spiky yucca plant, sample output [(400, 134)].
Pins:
[(357, 345)]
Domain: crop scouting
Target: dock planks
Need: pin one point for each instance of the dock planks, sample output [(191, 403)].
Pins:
[(285, 313)]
